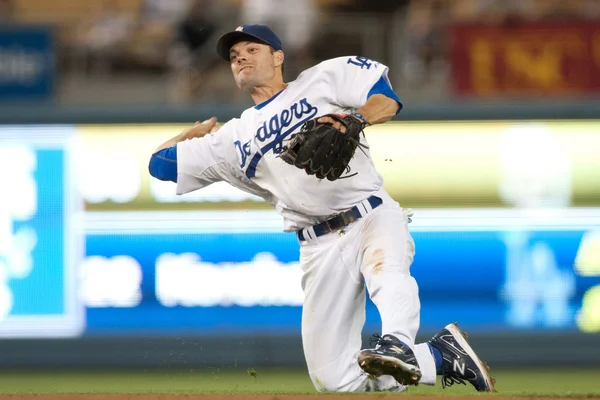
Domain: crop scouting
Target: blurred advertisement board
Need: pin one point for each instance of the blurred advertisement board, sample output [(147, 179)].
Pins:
[(432, 164), (226, 272), (527, 58), (41, 242), (507, 232), (27, 64)]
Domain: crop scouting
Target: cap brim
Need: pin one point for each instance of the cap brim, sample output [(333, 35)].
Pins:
[(229, 39)]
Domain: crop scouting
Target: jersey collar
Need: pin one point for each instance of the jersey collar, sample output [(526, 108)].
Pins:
[(264, 103)]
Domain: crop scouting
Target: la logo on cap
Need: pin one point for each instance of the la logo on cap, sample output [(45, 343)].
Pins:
[(239, 28)]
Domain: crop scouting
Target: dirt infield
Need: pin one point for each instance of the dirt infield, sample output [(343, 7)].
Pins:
[(240, 397)]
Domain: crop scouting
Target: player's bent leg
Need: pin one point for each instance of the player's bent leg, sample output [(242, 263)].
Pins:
[(333, 316), (387, 250)]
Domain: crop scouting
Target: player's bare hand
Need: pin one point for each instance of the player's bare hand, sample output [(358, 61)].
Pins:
[(331, 121), (201, 129), (216, 127)]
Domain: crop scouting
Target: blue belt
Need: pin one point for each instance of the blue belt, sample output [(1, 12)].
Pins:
[(340, 220)]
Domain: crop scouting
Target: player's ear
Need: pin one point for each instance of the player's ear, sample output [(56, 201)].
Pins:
[(279, 57)]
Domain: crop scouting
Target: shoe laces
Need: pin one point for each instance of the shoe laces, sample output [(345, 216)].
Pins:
[(377, 340), (450, 377)]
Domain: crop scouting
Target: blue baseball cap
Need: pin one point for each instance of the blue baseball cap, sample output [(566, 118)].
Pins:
[(252, 32)]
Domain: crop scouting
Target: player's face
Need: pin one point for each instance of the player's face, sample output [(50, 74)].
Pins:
[(252, 64)]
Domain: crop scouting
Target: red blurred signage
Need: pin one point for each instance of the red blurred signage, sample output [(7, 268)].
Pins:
[(526, 59)]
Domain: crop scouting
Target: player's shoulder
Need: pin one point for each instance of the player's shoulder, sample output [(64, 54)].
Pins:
[(339, 63), (328, 64)]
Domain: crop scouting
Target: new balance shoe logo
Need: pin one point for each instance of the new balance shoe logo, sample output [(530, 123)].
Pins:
[(459, 367), (396, 350)]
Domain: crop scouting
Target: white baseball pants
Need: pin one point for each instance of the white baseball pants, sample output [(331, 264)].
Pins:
[(378, 250)]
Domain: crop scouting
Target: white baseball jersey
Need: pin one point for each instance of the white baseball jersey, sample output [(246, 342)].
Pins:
[(244, 152)]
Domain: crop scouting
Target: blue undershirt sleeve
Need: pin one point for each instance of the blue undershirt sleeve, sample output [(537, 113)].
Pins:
[(163, 164), (383, 87)]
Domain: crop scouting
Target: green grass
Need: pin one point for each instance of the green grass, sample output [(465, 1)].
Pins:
[(567, 383)]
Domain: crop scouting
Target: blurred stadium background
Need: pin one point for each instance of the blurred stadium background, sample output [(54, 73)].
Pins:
[(497, 151)]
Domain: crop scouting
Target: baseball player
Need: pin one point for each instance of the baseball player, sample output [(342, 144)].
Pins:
[(302, 149)]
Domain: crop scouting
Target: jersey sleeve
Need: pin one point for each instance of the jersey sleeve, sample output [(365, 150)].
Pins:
[(355, 79), (202, 161)]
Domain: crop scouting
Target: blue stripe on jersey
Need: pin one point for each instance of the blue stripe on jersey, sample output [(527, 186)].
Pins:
[(383, 87), (264, 103), (163, 164)]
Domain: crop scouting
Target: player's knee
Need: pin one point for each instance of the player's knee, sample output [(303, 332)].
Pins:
[(334, 381), (326, 384)]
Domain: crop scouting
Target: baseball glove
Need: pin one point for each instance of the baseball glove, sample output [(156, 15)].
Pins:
[(322, 150)]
